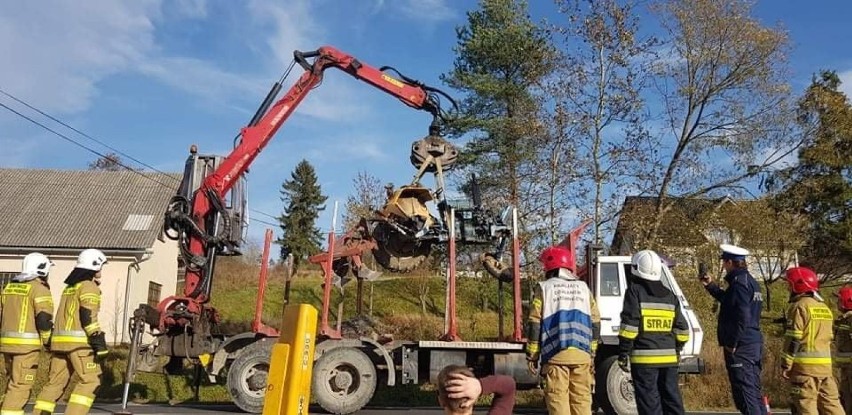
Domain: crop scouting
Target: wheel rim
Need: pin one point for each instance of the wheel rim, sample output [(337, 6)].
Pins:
[(343, 380), (254, 379), (625, 388)]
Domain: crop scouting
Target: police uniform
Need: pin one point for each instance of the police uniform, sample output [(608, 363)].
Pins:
[(738, 331), (563, 329), (653, 331), (806, 356), (843, 357), (26, 323), (77, 339)]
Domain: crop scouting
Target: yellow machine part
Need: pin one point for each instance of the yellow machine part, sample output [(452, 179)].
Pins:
[(288, 389), (409, 201)]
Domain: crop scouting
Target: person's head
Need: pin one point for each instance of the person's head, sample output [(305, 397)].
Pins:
[(802, 280), (92, 260), (557, 257), (35, 265), (733, 257), (647, 265), (452, 406), (844, 299)]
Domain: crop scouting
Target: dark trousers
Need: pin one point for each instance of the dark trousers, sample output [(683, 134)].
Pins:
[(744, 368), (656, 390)]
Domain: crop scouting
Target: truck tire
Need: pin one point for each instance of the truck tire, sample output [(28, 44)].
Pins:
[(247, 376), (614, 389), (344, 380)]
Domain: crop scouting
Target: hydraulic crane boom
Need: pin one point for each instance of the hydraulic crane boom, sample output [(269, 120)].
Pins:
[(201, 225)]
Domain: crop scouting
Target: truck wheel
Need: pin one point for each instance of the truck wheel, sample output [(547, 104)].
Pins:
[(614, 389), (344, 380), (247, 376)]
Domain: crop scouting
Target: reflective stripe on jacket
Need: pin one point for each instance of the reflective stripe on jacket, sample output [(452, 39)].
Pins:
[(22, 303), (78, 303), (653, 327), (807, 337)]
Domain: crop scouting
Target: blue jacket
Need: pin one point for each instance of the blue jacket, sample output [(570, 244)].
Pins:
[(739, 314)]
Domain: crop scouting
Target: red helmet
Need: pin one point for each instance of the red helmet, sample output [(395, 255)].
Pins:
[(802, 280), (845, 298), (557, 256)]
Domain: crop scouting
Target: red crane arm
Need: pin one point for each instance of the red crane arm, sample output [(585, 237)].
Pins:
[(255, 137)]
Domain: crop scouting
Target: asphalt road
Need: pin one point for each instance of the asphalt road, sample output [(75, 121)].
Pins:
[(162, 409)]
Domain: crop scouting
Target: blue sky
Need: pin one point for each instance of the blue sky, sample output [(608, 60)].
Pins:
[(152, 77)]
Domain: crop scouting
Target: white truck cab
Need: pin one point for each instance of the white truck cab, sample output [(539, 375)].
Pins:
[(613, 391)]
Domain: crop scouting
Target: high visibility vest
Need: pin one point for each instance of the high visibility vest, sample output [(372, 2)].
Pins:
[(808, 335), (843, 340), (79, 301), (22, 302), (566, 317)]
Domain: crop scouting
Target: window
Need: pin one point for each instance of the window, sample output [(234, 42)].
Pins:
[(154, 290), (610, 286), (6, 277)]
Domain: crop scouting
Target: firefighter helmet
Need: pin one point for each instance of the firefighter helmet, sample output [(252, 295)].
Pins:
[(647, 265), (802, 280), (845, 298), (91, 259), (557, 256), (36, 264)]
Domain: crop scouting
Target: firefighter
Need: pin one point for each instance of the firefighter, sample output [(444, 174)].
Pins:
[(563, 330), (738, 329), (77, 339), (806, 356), (653, 332), (843, 342), (25, 325)]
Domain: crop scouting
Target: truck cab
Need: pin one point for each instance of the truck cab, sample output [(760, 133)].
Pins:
[(610, 279)]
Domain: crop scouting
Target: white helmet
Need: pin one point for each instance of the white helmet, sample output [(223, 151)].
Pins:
[(647, 265), (91, 259), (36, 264)]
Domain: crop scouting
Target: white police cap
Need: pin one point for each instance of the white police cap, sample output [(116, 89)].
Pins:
[(733, 252)]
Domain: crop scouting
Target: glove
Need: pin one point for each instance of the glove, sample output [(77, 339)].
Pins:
[(624, 363), (532, 363), (98, 343)]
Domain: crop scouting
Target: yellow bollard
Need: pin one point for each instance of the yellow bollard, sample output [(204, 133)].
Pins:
[(288, 388)]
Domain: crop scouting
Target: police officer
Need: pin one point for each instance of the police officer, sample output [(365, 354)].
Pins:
[(653, 331), (843, 342), (563, 330), (738, 329), (77, 339), (806, 357), (25, 325)]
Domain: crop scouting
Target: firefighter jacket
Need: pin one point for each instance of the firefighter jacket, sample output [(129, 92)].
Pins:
[(807, 337), (564, 322), (739, 313), (27, 316), (843, 340), (653, 328), (77, 316)]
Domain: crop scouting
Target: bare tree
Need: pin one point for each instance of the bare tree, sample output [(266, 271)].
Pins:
[(367, 195), (599, 86), (721, 82)]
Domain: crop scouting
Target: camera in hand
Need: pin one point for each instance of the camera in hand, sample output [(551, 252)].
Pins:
[(702, 270)]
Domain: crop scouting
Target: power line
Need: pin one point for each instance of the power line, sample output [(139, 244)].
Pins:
[(24, 103), (72, 141)]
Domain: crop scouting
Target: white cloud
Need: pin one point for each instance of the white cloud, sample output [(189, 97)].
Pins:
[(56, 52), (426, 10), (191, 9), (846, 85)]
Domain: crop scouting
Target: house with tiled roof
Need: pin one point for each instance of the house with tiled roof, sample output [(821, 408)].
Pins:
[(60, 212), (692, 229)]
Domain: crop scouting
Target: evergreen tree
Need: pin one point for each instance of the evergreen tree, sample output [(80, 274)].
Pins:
[(820, 185), (303, 201)]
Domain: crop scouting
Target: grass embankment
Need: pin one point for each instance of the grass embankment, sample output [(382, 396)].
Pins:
[(411, 307)]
